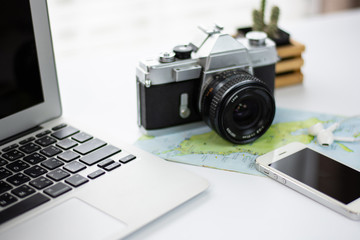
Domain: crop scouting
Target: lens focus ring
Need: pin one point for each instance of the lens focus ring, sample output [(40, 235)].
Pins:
[(238, 106), (240, 76)]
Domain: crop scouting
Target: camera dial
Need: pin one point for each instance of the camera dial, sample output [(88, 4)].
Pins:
[(183, 51), (256, 38), (238, 106), (167, 57)]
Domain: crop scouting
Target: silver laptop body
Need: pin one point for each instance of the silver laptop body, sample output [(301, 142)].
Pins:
[(74, 185)]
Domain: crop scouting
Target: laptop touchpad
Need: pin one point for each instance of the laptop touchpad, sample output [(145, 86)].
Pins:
[(73, 219)]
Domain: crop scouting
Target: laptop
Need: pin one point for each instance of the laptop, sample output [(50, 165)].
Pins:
[(57, 180)]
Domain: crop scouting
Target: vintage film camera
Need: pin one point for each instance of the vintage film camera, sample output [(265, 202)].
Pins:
[(226, 82)]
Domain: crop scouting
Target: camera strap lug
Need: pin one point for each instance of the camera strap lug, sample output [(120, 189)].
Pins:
[(147, 83)]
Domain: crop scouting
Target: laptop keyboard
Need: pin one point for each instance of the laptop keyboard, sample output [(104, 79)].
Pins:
[(50, 164)]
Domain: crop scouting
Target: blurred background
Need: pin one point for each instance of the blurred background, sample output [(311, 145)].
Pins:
[(98, 44), (85, 26)]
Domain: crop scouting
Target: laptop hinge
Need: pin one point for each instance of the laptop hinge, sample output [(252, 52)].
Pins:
[(19, 135)]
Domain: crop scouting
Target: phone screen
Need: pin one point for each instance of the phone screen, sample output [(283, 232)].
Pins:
[(322, 173)]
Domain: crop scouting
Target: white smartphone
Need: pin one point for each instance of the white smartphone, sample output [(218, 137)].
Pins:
[(315, 175)]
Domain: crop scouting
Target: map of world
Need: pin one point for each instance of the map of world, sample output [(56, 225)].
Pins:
[(203, 147)]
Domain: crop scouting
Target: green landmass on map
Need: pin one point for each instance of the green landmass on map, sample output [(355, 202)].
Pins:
[(146, 137), (278, 134), (345, 148), (203, 147)]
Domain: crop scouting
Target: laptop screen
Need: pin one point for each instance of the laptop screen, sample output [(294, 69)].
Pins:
[(20, 83)]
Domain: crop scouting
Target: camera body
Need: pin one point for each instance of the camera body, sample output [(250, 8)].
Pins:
[(173, 87)]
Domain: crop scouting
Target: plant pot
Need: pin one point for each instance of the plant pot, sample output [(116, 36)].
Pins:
[(283, 39), (288, 68)]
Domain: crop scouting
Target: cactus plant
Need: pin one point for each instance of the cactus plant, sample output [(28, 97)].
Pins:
[(258, 20)]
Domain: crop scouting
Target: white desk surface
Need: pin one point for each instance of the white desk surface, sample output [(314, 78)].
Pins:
[(99, 88)]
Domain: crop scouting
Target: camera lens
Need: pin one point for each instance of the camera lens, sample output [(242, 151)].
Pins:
[(238, 106), (246, 113)]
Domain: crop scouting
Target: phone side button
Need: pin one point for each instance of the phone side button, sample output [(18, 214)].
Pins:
[(282, 180), (275, 176)]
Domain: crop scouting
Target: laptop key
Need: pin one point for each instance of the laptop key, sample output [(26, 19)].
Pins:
[(11, 147), (29, 148), (18, 179), (112, 166), (57, 190), (90, 146), (4, 187), (7, 199), (52, 163), (68, 156), (96, 174), (40, 183), (4, 173), (58, 127), (82, 137), (35, 171), (66, 144), (58, 174), (27, 140), (17, 166), (65, 132), (34, 158), (105, 162), (46, 132), (51, 151), (127, 159), (99, 155), (76, 180), (74, 167), (23, 191), (13, 155), (3, 162), (46, 141), (22, 207)]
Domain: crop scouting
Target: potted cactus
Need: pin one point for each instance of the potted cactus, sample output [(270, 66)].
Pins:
[(279, 36), (288, 69)]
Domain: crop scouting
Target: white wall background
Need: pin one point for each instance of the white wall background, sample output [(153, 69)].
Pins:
[(84, 26)]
